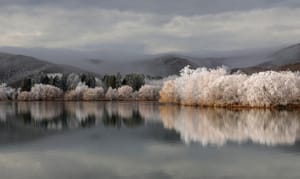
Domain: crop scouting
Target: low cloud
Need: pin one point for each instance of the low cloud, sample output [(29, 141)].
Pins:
[(54, 27)]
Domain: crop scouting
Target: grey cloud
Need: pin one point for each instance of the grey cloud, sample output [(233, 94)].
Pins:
[(186, 7), (134, 25)]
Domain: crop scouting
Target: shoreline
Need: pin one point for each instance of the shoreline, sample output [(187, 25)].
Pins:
[(237, 107)]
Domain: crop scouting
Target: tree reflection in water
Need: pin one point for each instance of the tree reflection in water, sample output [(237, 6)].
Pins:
[(118, 114), (206, 126), (59, 115), (219, 126)]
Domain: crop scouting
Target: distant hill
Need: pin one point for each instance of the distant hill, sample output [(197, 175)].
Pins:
[(165, 65), (285, 56), (285, 59), (15, 67), (111, 62), (156, 65)]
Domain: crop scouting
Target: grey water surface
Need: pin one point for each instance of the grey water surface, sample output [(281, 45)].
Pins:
[(143, 140)]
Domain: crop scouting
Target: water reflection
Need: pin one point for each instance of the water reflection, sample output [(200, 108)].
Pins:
[(59, 115), (219, 126), (204, 126)]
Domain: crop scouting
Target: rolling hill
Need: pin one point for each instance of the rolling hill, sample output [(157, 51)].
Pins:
[(285, 56), (15, 67), (166, 65), (156, 65), (282, 60)]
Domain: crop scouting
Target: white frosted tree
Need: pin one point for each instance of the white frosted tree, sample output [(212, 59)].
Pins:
[(125, 92), (111, 94), (93, 94), (24, 96), (41, 92), (217, 87), (168, 93), (45, 92), (72, 81), (77, 93), (271, 88), (148, 92), (7, 93)]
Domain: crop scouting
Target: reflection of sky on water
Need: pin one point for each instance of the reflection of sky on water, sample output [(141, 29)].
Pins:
[(145, 140), (101, 152)]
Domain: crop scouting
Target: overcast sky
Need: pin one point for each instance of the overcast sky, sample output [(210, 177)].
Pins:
[(149, 26)]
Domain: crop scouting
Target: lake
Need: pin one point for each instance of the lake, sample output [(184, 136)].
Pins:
[(143, 140)]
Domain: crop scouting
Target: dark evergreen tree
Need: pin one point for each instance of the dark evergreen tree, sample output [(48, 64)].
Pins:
[(118, 80), (89, 80), (45, 79), (109, 81), (26, 84), (136, 81), (56, 81), (63, 84), (83, 77)]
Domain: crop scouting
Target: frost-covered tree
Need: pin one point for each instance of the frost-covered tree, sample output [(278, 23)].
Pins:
[(93, 94), (125, 92), (159, 82), (148, 92), (45, 92), (41, 92), (72, 81), (168, 93), (56, 81), (99, 82), (271, 89), (218, 87), (77, 93), (7, 93), (224, 92), (25, 96), (111, 94), (70, 96)]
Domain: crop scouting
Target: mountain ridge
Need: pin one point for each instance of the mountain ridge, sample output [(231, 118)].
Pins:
[(281, 60), (15, 67)]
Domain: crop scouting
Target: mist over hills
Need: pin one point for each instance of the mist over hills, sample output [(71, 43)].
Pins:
[(33, 61)]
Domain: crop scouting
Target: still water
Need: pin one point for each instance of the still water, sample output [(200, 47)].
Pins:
[(146, 140)]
